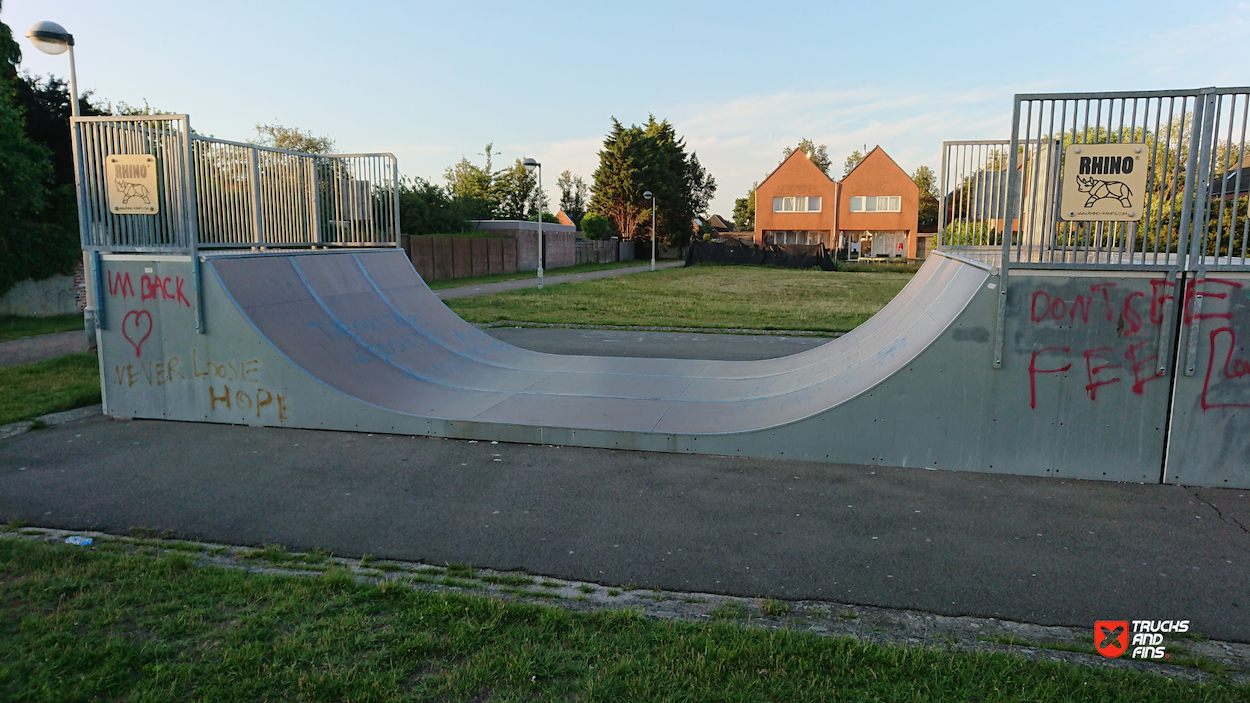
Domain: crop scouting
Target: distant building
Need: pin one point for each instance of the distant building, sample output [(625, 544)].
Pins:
[(564, 218), (719, 225), (871, 212)]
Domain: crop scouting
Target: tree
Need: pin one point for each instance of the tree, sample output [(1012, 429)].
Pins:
[(617, 191), (744, 211), (511, 190), (425, 208), (818, 154), (290, 139), (650, 157), (594, 225), (574, 196), (926, 181), (852, 161), (46, 110)]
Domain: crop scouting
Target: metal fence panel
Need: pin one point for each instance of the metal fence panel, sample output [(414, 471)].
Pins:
[(217, 194)]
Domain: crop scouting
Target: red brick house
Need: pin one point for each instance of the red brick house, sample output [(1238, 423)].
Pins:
[(871, 212)]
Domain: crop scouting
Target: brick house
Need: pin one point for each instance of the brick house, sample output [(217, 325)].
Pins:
[(871, 212)]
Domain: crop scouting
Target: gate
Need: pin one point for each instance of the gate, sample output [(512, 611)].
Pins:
[(1177, 270)]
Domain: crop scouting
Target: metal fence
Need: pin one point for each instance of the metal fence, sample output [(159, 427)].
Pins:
[(214, 193), (1194, 212)]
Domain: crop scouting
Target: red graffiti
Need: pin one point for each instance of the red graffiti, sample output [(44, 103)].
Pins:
[(1057, 308), (1159, 296), (1091, 370), (1136, 365), (120, 284), (1033, 371), (1195, 291), (134, 329), (1130, 316), (1232, 368), (159, 288)]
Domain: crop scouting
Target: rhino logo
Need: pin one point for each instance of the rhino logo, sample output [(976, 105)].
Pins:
[(1099, 190), (134, 190)]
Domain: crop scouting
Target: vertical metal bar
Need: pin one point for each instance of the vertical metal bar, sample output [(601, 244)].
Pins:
[(1196, 201), (1005, 265), (253, 180)]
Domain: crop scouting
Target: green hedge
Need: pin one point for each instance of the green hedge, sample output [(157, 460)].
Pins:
[(47, 246)]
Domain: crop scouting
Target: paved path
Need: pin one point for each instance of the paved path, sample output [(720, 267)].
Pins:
[(548, 280), (41, 347), (658, 345), (1026, 549)]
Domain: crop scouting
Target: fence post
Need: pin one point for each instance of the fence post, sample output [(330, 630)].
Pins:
[(253, 179)]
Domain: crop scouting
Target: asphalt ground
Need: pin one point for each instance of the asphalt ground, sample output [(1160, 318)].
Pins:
[(662, 345), (40, 347), (1027, 549)]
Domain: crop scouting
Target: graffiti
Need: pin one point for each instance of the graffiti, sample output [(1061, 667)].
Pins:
[(158, 288), (1033, 371), (1231, 368), (229, 371), (1057, 308), (136, 328), (120, 284), (156, 373), (248, 400), (1196, 291)]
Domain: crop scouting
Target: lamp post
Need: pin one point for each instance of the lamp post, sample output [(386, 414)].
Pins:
[(532, 166), (654, 203), (51, 38)]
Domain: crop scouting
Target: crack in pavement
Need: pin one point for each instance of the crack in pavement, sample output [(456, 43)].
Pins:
[(1227, 520)]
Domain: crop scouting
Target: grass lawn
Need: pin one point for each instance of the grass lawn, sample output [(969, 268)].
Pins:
[(496, 278), (89, 624), (14, 327), (64, 383), (751, 297)]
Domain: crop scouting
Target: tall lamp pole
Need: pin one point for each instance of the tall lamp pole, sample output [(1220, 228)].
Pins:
[(532, 166), (51, 38), (654, 203)]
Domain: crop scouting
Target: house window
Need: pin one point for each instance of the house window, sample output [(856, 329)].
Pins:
[(876, 203), (796, 204)]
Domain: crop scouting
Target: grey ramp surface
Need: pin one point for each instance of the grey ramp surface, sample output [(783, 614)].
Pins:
[(366, 325), (655, 344)]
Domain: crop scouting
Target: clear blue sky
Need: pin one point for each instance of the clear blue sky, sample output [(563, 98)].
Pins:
[(430, 82)]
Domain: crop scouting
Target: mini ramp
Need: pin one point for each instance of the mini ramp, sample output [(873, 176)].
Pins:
[(356, 341)]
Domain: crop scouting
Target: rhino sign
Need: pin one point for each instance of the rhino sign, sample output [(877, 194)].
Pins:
[(133, 190), (1098, 190)]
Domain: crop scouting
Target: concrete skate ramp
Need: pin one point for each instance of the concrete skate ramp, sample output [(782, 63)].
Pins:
[(366, 325)]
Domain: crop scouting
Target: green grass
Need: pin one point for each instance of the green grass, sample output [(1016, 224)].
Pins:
[(14, 327), (64, 383), (749, 297), (520, 275)]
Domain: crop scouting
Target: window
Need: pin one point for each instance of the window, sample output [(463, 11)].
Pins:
[(876, 203), (796, 204)]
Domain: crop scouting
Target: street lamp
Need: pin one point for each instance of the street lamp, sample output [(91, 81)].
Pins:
[(51, 38), (531, 166), (654, 203)]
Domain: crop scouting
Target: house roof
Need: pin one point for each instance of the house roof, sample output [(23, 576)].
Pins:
[(872, 151), (785, 161), (719, 224)]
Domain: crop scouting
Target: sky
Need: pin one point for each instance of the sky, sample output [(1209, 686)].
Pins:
[(432, 82)]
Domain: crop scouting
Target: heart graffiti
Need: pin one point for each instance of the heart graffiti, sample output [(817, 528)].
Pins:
[(134, 329)]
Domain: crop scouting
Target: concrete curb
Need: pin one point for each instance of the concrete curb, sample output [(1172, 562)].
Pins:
[(16, 428)]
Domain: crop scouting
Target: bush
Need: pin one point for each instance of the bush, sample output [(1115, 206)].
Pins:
[(547, 217), (595, 226)]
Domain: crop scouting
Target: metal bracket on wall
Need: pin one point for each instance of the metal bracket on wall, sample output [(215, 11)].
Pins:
[(199, 299), (97, 282), (1000, 329), (1162, 344), (1192, 310)]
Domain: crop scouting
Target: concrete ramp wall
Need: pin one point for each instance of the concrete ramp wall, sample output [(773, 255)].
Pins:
[(356, 341)]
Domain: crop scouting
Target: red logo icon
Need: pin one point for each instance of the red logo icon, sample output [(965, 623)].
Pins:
[(1111, 637)]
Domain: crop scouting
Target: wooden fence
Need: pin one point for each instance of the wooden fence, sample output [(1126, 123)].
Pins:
[(438, 258)]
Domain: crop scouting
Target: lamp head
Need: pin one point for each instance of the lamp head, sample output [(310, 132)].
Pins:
[(50, 37), (530, 165), (647, 194)]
